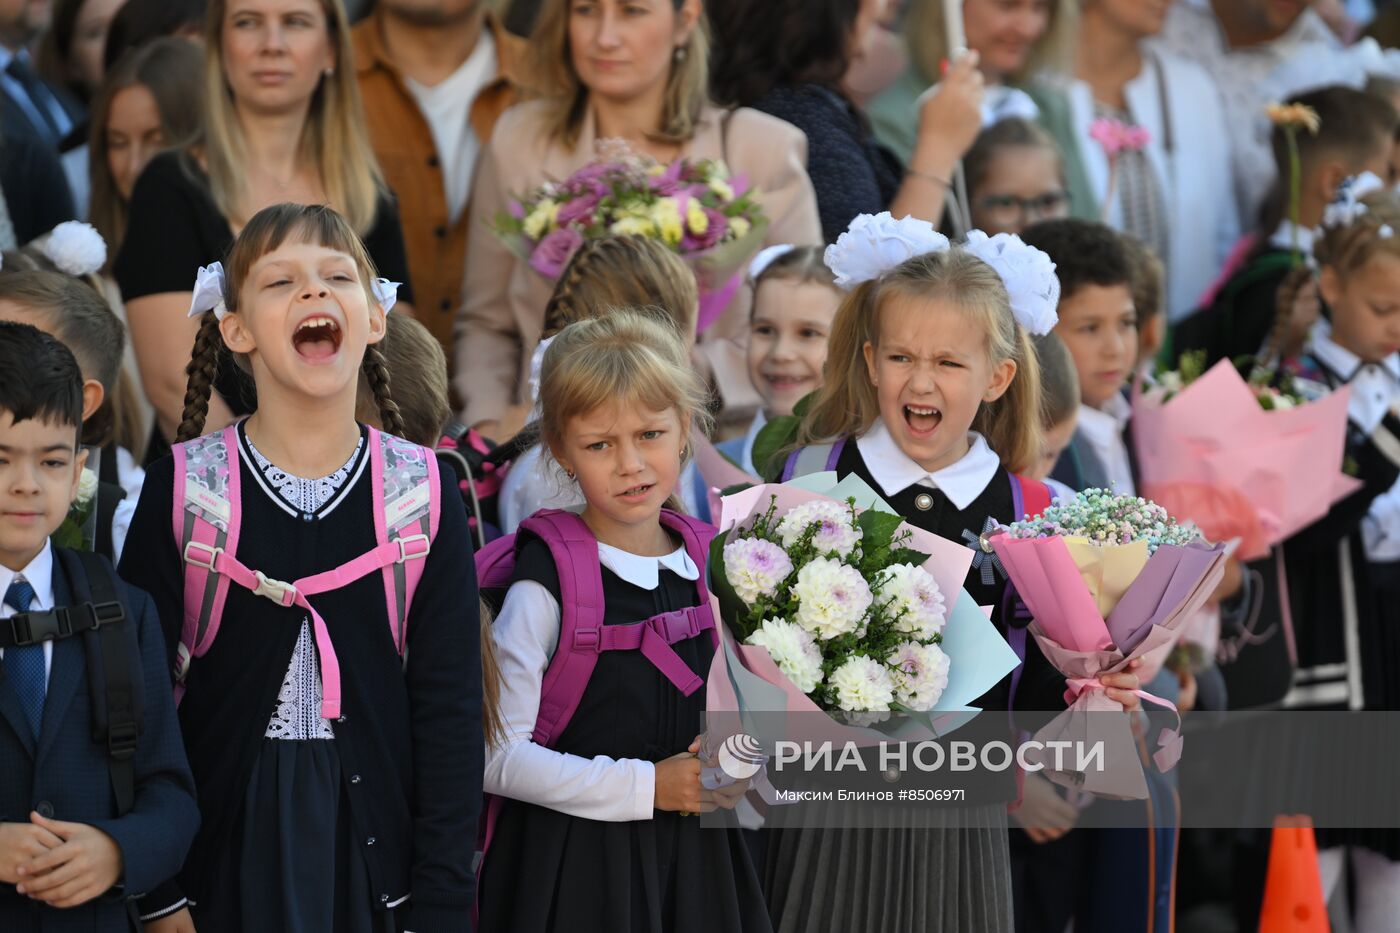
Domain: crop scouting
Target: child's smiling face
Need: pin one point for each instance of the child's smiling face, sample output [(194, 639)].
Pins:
[(40, 466), (304, 319), (788, 339), (932, 372)]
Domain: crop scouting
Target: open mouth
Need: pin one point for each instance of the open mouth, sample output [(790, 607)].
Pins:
[(316, 338), (636, 492), (922, 420), (781, 383)]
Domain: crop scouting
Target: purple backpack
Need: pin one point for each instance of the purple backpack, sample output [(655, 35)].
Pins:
[(582, 634)]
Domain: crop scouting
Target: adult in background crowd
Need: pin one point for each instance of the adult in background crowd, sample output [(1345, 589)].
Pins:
[(1242, 44), (34, 118), (140, 21), (434, 77), (70, 57), (149, 102), (788, 58), (282, 123), (608, 69), (70, 53), (1014, 39), (29, 105), (1174, 194)]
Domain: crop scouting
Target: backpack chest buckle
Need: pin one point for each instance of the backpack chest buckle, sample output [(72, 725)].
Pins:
[(284, 594)]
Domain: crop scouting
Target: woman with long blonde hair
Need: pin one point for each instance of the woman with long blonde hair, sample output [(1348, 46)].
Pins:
[(607, 70), (282, 123)]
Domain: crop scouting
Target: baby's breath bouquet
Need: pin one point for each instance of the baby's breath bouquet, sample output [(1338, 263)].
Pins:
[(1108, 579)]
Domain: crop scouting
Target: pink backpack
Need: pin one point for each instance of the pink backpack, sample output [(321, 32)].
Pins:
[(208, 510), (582, 634)]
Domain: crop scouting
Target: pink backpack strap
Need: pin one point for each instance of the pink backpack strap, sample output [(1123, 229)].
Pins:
[(407, 506), (575, 551), (696, 536), (207, 509)]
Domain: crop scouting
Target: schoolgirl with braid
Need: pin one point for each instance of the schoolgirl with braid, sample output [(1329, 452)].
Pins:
[(333, 722)]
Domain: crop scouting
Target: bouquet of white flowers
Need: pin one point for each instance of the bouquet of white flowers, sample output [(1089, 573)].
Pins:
[(859, 611)]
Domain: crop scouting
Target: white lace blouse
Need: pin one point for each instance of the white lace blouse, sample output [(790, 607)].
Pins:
[(298, 712)]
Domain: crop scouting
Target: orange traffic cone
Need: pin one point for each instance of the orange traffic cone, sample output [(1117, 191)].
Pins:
[(1293, 901)]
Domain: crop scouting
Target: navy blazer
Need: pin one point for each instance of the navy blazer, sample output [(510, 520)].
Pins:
[(66, 776)]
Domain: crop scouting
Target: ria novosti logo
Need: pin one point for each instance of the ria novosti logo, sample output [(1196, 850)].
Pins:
[(741, 757)]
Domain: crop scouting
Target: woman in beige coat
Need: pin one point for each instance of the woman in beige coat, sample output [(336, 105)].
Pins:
[(634, 70)]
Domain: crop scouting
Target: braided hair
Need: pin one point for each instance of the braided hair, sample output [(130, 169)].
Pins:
[(622, 272), (266, 231)]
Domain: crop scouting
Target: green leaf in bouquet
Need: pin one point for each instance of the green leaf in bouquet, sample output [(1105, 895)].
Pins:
[(907, 555), (69, 534), (878, 529), (773, 440)]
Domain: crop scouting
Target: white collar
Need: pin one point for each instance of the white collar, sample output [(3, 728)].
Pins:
[(746, 455), (38, 573), (1341, 360), (1112, 417), (645, 572), (1283, 238), (961, 482)]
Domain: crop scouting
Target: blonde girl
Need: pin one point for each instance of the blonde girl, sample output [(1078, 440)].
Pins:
[(605, 275), (933, 398), (592, 831)]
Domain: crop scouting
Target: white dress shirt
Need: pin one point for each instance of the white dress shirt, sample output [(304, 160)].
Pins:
[(38, 573), (962, 482), (526, 633), (1103, 429), (1375, 391), (446, 106)]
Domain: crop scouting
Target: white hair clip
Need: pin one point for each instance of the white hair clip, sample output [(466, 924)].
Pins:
[(209, 292), (1029, 276), (875, 244), (75, 248), (386, 293), (766, 257), (1346, 206)]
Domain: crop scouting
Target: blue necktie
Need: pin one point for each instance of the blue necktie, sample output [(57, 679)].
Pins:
[(24, 667)]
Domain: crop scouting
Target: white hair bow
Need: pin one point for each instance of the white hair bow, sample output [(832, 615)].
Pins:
[(875, 244), (1347, 207), (386, 293), (209, 292), (766, 257), (75, 248)]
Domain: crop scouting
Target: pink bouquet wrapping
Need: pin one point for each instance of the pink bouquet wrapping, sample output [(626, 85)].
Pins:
[(1107, 579), (1239, 460)]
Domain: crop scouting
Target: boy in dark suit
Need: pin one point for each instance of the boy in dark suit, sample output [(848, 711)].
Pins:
[(85, 825)]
